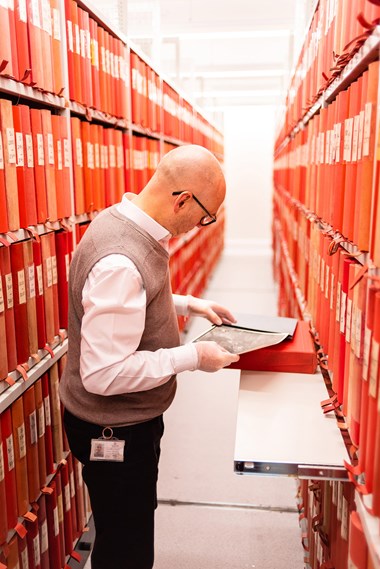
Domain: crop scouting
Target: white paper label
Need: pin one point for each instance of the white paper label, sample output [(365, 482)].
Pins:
[(374, 368), (40, 281), (36, 13), (97, 155), (50, 146), (44, 537), (40, 150), (90, 155), (67, 498), (41, 421), (361, 135), (11, 145), (358, 332), (20, 149), (33, 427), (67, 266), (79, 152), (72, 485), (59, 154), (66, 152), (1, 152), (56, 521), (47, 411), (10, 452), (355, 139), (2, 468), (348, 132), (2, 303), (36, 550), (24, 558), (54, 269), (343, 301), (31, 282), (49, 274), (56, 25), (22, 11), (77, 39), (29, 150), (367, 129), (338, 295), (348, 319), (70, 38), (338, 130), (345, 524), (21, 287), (21, 440), (366, 350)]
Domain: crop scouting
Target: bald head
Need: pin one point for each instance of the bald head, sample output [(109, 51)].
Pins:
[(187, 170)]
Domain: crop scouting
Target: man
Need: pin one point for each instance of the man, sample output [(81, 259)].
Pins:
[(124, 348)]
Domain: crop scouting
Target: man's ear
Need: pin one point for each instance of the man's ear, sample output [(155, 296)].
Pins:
[(181, 200)]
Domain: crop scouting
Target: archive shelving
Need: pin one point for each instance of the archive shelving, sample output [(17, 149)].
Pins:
[(80, 124), (326, 261)]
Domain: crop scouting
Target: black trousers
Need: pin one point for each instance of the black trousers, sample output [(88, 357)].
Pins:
[(123, 494)]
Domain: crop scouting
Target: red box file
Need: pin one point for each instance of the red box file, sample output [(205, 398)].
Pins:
[(9, 468), (293, 356)]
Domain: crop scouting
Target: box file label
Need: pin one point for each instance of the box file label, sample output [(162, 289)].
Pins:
[(70, 38), (40, 150), (59, 155), (67, 497), (56, 25), (343, 312), (355, 139), (47, 411), (44, 537), (29, 150), (66, 152), (1, 152), (367, 128), (24, 558), (345, 519), (10, 452), (33, 428), (2, 469), (21, 440), (41, 421), (46, 17), (36, 14), (56, 521), (366, 350), (20, 149), (11, 145), (348, 319), (21, 287), (36, 551), (90, 156), (374, 367), (361, 135), (31, 282), (79, 152), (348, 131), (54, 270), (72, 484), (338, 130), (2, 303), (49, 274), (40, 281), (50, 148), (358, 332)]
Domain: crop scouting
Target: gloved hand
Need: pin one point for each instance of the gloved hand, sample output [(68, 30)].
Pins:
[(214, 312), (212, 357)]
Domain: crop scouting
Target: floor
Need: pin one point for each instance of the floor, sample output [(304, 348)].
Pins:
[(208, 517)]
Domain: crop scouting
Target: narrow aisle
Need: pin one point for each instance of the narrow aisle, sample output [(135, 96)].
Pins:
[(208, 516)]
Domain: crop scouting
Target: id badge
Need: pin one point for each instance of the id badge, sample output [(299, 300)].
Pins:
[(107, 447)]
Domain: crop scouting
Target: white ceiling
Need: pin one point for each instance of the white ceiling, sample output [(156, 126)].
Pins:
[(219, 52)]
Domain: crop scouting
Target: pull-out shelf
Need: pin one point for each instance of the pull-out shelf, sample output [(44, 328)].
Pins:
[(281, 429)]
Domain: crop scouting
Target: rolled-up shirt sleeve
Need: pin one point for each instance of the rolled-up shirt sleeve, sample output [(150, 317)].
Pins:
[(114, 302)]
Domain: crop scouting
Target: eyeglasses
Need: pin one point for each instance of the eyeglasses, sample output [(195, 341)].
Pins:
[(206, 219)]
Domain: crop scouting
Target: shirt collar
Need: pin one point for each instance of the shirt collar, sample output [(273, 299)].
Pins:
[(127, 208)]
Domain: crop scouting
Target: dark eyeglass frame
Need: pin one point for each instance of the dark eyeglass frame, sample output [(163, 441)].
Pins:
[(202, 222)]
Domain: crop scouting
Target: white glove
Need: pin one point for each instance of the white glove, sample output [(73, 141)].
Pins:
[(212, 357), (214, 312)]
